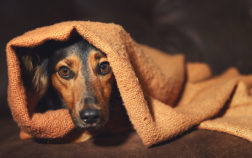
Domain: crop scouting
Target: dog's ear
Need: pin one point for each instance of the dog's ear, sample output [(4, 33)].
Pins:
[(40, 79), (34, 71), (27, 62)]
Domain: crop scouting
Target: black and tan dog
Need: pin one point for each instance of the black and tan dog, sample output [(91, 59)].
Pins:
[(73, 75)]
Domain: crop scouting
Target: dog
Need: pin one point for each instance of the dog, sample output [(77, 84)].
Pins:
[(77, 76)]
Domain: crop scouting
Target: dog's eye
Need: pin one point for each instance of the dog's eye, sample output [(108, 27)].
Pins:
[(65, 73), (104, 68)]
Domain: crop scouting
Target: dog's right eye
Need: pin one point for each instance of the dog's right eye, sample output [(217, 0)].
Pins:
[(65, 72), (103, 68)]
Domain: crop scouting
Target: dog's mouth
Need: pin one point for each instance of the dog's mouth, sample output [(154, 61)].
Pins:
[(96, 125)]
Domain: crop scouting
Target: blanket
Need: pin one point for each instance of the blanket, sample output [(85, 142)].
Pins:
[(163, 94)]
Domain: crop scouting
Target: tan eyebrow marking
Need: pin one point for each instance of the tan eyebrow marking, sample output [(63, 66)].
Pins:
[(69, 63)]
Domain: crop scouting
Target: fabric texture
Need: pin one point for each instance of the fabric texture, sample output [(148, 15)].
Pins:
[(164, 96), (126, 145)]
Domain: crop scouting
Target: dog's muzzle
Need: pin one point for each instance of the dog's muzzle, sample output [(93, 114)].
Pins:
[(90, 118)]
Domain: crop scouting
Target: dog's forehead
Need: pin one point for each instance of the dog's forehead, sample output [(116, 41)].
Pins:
[(79, 48), (79, 53)]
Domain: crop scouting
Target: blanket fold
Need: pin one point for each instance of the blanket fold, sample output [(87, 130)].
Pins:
[(164, 96)]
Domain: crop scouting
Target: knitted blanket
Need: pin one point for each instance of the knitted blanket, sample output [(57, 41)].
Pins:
[(163, 95)]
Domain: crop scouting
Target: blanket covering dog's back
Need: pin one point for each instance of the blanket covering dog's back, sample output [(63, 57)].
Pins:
[(164, 96)]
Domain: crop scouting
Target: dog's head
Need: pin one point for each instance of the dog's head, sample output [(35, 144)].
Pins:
[(82, 77)]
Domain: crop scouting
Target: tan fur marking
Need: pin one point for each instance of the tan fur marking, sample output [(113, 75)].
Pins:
[(71, 90), (83, 137), (102, 85)]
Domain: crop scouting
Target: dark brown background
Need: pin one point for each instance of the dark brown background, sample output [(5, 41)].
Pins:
[(217, 32)]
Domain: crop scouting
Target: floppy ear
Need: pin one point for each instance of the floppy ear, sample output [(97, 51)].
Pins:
[(40, 79), (34, 72)]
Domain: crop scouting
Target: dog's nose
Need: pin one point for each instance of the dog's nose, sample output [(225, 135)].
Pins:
[(89, 116)]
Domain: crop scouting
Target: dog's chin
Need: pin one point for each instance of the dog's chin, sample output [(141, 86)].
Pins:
[(93, 126)]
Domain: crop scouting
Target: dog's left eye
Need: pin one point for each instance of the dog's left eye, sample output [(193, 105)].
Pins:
[(65, 73), (103, 68)]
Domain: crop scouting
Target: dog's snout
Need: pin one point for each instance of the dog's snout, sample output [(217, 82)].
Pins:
[(90, 100), (90, 116)]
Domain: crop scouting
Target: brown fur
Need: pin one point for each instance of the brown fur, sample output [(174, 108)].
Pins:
[(40, 81), (100, 82), (72, 90)]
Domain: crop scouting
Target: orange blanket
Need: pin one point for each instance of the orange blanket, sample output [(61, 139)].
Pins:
[(163, 95)]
